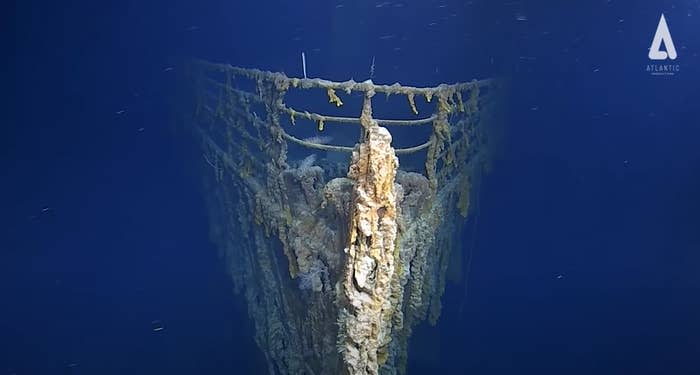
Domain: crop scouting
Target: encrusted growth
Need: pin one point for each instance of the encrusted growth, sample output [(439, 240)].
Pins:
[(333, 98), (338, 262), (366, 306)]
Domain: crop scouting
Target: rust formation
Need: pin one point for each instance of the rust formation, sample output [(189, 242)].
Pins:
[(339, 257)]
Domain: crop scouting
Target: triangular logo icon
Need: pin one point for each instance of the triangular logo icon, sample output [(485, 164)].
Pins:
[(662, 35)]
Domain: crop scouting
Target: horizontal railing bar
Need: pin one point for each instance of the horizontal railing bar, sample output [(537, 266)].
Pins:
[(348, 86)]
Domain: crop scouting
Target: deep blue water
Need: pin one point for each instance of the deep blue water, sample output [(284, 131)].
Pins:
[(586, 255)]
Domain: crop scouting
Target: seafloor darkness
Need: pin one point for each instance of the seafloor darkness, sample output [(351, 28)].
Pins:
[(584, 258)]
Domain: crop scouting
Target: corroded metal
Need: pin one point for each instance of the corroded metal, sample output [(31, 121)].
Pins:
[(338, 259)]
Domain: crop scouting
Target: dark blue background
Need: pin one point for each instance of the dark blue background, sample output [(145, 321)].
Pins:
[(587, 249)]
